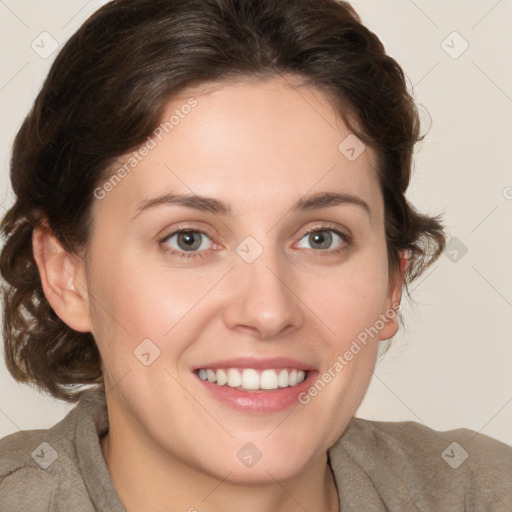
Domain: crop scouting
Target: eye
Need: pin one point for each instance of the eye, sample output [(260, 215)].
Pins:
[(187, 240), (324, 239), (193, 243)]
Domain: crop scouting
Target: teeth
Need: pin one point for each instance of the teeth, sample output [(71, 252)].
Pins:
[(269, 379), (234, 378), (222, 378), (251, 379), (283, 379)]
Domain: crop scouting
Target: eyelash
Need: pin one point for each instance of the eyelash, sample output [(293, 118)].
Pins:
[(202, 254)]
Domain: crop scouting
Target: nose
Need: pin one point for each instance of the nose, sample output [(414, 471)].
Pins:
[(264, 300)]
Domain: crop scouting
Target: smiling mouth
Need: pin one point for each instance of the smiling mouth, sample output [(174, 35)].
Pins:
[(249, 379)]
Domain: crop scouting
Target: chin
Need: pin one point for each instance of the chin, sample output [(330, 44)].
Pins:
[(263, 473), (246, 464)]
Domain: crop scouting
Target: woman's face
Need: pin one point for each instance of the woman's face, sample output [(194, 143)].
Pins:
[(274, 274)]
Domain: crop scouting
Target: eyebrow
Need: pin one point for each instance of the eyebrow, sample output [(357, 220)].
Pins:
[(216, 206)]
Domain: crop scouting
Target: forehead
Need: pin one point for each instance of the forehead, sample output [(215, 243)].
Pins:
[(256, 143)]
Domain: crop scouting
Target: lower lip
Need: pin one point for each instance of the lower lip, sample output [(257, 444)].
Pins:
[(259, 401)]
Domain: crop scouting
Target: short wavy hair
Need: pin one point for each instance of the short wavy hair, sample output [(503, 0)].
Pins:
[(105, 94)]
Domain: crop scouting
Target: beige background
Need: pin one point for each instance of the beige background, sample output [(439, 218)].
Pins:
[(452, 365)]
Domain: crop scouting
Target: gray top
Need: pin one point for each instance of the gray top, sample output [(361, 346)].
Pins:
[(378, 466)]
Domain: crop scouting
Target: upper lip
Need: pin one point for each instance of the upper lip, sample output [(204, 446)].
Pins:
[(257, 363)]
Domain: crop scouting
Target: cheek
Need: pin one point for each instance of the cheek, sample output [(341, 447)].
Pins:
[(349, 298), (133, 301)]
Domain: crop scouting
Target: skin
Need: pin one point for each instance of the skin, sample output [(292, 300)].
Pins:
[(258, 146)]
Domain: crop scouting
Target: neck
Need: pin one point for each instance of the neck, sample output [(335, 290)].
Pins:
[(147, 481)]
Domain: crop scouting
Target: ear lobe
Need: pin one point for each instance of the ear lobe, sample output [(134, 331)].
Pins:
[(62, 279), (394, 299)]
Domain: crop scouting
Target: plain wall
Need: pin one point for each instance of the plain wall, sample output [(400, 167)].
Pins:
[(451, 365)]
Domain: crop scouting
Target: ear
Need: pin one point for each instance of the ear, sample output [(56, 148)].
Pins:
[(63, 279), (390, 316)]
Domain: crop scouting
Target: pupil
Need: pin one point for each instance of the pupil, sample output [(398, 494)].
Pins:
[(321, 238), (188, 239)]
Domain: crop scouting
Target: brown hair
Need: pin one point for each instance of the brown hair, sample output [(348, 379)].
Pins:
[(104, 96)]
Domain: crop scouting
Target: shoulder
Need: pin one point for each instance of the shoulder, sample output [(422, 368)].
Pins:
[(24, 485), (458, 464), (416, 441), (39, 471)]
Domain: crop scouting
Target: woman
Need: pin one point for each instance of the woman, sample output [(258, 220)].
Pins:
[(210, 232)]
